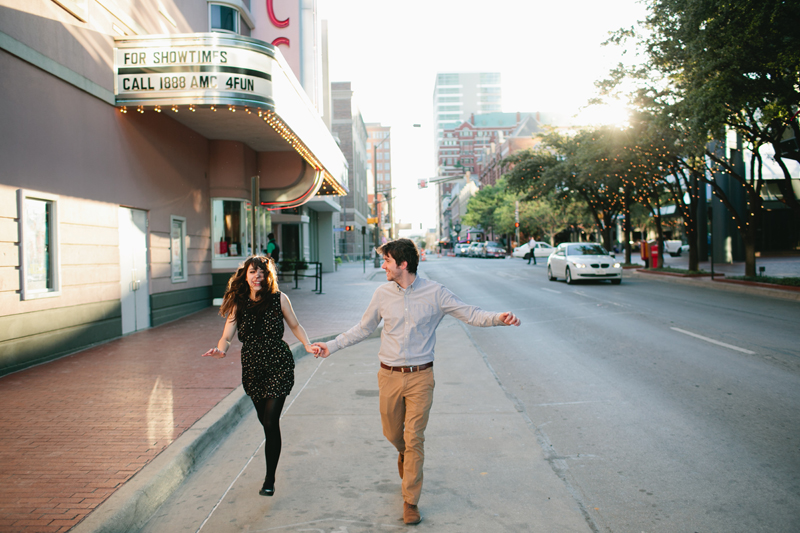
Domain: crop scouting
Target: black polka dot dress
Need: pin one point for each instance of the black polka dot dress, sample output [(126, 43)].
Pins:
[(267, 362)]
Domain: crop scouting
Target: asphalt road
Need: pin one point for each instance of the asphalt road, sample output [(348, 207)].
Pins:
[(662, 407)]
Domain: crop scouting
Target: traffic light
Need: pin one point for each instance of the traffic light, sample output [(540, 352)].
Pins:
[(516, 224), (348, 228)]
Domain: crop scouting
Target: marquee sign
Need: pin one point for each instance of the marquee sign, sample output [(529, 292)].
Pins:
[(194, 69)]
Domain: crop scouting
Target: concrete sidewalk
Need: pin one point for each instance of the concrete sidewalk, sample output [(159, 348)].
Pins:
[(779, 267), (484, 469), (76, 430)]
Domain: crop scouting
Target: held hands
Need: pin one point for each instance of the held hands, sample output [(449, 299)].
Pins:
[(509, 319), (322, 350), (214, 352), (313, 348)]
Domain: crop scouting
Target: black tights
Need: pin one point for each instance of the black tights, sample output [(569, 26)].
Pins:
[(269, 414)]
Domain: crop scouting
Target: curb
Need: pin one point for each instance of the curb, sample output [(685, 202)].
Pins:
[(136, 501), (723, 285)]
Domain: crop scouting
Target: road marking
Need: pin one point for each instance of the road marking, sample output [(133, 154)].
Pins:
[(551, 290), (567, 403), (712, 341)]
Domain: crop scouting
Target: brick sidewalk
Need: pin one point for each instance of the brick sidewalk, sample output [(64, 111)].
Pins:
[(75, 430)]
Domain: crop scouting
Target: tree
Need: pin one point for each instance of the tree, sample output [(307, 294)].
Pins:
[(583, 168), (715, 65)]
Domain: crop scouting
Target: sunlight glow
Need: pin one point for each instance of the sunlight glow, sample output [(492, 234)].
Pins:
[(612, 114)]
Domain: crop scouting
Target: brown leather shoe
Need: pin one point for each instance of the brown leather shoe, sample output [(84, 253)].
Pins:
[(400, 459), (411, 514)]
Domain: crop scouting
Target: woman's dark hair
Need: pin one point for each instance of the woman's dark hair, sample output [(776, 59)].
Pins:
[(402, 250), (238, 290)]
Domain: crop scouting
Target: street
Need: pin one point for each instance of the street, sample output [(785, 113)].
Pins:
[(662, 407)]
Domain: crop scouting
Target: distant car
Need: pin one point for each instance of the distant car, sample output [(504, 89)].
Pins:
[(673, 248), (475, 249), (575, 261), (461, 249), (492, 249), (540, 249)]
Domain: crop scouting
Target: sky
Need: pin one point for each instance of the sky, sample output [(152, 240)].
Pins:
[(549, 55)]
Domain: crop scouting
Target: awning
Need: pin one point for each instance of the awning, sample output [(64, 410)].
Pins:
[(234, 88)]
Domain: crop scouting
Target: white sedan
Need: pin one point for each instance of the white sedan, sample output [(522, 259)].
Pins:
[(575, 261), (540, 249)]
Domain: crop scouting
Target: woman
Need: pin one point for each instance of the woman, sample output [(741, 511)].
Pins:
[(254, 305)]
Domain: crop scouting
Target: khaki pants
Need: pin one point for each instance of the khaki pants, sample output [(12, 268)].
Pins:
[(405, 401)]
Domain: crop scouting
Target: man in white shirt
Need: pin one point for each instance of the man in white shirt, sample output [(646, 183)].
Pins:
[(532, 250), (411, 308)]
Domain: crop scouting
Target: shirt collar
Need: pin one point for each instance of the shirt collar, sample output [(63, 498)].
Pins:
[(414, 285)]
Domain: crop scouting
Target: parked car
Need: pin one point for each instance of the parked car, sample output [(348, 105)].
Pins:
[(575, 261), (673, 248), (461, 249), (540, 249), (475, 249), (492, 249)]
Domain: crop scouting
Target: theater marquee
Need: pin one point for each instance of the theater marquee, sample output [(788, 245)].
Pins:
[(194, 69)]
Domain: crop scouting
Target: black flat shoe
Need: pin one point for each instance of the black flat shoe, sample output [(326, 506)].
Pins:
[(266, 490)]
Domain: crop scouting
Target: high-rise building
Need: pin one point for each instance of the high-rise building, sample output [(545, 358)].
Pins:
[(456, 96), (349, 126), (379, 161)]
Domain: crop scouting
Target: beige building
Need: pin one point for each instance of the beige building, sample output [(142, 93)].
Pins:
[(147, 148)]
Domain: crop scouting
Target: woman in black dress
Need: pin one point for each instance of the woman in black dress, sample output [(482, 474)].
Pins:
[(255, 307)]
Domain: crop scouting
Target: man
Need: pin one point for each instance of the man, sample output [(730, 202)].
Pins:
[(532, 251), (411, 308)]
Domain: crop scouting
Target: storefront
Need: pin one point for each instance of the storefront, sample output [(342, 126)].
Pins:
[(139, 171)]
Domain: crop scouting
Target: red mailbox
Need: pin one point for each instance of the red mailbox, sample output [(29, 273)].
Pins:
[(653, 254)]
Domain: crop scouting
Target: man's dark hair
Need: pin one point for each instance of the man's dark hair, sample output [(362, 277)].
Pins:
[(270, 236), (402, 250)]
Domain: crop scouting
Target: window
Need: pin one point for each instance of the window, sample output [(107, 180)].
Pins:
[(177, 245), (230, 229), (447, 79), (39, 261), (223, 18)]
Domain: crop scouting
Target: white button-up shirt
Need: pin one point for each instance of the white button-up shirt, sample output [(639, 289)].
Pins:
[(410, 317)]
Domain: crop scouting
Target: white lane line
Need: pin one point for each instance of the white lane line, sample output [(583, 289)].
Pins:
[(712, 341), (256, 451), (568, 403), (551, 290)]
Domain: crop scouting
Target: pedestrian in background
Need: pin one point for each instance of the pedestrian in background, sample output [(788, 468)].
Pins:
[(411, 308), (273, 250), (255, 307), (532, 251)]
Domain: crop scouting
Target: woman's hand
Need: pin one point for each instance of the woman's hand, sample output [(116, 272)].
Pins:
[(322, 350), (214, 352), (313, 348)]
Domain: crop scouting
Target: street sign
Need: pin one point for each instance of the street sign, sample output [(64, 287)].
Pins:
[(372, 220)]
